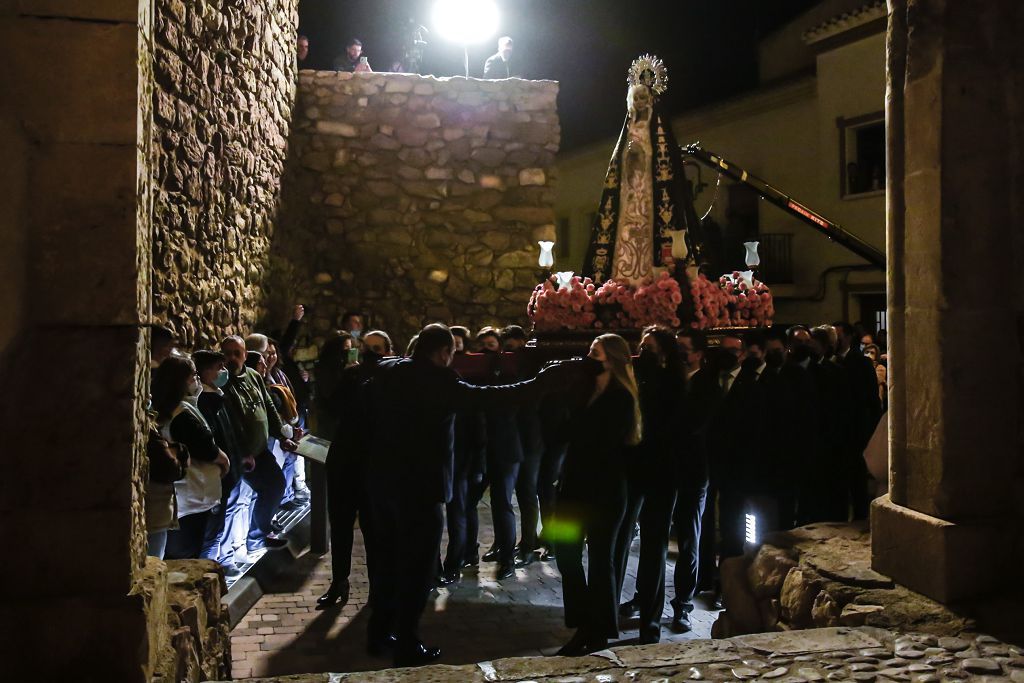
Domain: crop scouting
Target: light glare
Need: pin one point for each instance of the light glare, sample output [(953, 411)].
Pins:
[(466, 21), (751, 528)]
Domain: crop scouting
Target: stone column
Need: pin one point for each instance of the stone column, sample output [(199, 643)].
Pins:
[(956, 166), (74, 364)]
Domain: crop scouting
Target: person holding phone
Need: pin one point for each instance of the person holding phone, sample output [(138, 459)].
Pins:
[(352, 60)]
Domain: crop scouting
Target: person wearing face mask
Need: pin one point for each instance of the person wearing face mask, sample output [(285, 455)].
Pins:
[(214, 376), (412, 403), (660, 376), (346, 469), (176, 388), (504, 455), (604, 428), (864, 408), (255, 419), (352, 323), (819, 494), (732, 441)]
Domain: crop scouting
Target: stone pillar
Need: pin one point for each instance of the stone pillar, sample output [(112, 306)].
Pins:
[(76, 118), (956, 167)]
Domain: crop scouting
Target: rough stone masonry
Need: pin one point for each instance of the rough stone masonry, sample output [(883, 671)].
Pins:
[(415, 199), (225, 85)]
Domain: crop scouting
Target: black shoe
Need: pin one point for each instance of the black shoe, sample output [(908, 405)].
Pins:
[(681, 622), (576, 647), (597, 644), (449, 578), (275, 541), (491, 555), (629, 610), (716, 601), (293, 504), (381, 647), (276, 526), (505, 570), (415, 655), (547, 555), (525, 559), (337, 593)]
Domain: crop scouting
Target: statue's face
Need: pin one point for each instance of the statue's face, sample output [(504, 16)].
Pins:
[(638, 99)]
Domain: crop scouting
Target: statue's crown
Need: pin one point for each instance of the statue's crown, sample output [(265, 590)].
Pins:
[(650, 71)]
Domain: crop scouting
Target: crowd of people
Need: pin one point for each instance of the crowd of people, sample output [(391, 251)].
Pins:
[(683, 438)]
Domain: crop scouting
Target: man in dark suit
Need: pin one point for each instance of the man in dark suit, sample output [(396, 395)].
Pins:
[(499, 65), (413, 403), (865, 410)]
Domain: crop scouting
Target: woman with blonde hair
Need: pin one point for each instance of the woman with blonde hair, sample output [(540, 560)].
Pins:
[(605, 425)]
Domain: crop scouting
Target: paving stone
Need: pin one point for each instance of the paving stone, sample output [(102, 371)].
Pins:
[(810, 674), (953, 644), (776, 673), (863, 667), (745, 673), (865, 676), (985, 667), (910, 653)]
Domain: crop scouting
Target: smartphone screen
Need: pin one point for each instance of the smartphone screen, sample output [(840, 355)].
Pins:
[(353, 355)]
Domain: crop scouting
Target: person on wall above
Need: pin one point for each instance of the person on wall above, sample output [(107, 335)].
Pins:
[(302, 51), (499, 65), (353, 59)]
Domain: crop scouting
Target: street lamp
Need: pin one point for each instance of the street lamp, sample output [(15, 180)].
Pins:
[(466, 22)]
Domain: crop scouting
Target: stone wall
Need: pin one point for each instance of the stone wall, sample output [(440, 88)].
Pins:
[(225, 83), (77, 129), (415, 199)]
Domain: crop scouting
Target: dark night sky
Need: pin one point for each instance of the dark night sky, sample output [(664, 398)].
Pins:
[(709, 46)]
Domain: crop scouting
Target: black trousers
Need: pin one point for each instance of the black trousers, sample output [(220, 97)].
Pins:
[(347, 500), (529, 503), (457, 515), (732, 507), (691, 499), (547, 487), (708, 544), (408, 533), (186, 542), (590, 514), (651, 498), (501, 477)]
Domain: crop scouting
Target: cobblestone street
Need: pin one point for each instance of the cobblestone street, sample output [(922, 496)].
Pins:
[(477, 620)]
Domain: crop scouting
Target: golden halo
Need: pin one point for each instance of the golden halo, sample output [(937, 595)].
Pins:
[(650, 71)]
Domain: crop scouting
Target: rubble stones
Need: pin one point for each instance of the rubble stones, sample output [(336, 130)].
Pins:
[(223, 98), (820, 576), (451, 175)]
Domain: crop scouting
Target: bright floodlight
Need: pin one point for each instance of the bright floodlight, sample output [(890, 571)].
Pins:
[(466, 21)]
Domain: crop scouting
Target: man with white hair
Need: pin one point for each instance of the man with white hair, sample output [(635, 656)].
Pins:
[(499, 65)]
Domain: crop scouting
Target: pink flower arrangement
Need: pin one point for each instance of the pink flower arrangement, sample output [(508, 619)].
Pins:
[(568, 308), (731, 301)]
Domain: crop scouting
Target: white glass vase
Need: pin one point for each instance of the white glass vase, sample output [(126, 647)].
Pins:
[(546, 259), (752, 259)]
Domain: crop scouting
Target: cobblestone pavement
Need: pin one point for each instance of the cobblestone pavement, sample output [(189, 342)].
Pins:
[(829, 654), (477, 620)]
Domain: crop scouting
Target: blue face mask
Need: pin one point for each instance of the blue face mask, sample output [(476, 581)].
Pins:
[(222, 378)]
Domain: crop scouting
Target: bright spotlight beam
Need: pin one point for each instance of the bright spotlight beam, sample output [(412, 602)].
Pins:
[(466, 22)]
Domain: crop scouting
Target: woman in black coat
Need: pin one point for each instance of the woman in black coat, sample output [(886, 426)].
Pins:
[(604, 425), (661, 378)]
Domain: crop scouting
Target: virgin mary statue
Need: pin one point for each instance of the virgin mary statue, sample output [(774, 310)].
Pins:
[(647, 202)]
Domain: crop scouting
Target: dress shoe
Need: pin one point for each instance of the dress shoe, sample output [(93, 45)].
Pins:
[(629, 610), (576, 647), (547, 555), (525, 559), (491, 555), (505, 570), (381, 647), (337, 593), (275, 541), (681, 622), (597, 644), (417, 654), (449, 578), (716, 601)]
